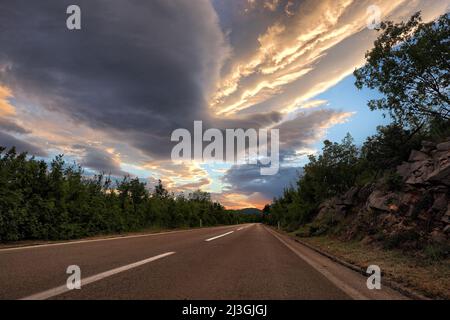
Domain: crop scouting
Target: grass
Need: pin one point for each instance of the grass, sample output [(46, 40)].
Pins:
[(426, 276)]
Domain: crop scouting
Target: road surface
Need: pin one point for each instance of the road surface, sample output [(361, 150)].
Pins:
[(232, 262)]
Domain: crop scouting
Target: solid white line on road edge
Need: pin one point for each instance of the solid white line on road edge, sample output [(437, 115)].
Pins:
[(353, 293), (222, 235), (63, 289)]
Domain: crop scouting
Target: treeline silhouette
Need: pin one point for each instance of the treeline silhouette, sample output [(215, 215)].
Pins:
[(58, 202)]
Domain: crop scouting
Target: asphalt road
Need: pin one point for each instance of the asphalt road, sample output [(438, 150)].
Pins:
[(233, 262)]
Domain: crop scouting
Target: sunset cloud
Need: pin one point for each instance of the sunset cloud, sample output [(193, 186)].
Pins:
[(6, 109), (290, 61)]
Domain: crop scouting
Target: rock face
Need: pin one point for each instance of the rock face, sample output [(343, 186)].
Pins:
[(384, 202), (431, 166), (417, 214)]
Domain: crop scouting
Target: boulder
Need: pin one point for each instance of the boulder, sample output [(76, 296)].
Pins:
[(325, 207), (445, 146), (440, 156), (420, 172), (384, 202), (404, 170), (389, 220), (332, 207), (440, 202), (439, 189), (365, 191), (418, 156), (447, 229), (441, 175), (446, 217), (438, 237), (349, 197), (427, 146)]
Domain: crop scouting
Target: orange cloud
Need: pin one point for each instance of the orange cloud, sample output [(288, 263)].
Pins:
[(180, 177), (292, 48), (6, 109), (234, 201)]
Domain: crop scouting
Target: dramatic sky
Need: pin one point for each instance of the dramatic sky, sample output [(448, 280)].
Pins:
[(109, 95)]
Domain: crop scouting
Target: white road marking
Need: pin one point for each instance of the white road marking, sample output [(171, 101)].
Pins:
[(245, 227), (63, 289), (222, 235)]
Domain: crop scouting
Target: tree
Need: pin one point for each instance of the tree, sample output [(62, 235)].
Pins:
[(160, 191), (332, 172), (200, 196), (410, 66), (389, 147)]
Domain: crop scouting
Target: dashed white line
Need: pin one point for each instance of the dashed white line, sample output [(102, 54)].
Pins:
[(242, 228), (63, 289), (222, 235)]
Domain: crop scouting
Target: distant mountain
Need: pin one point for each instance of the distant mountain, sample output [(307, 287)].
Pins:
[(249, 211)]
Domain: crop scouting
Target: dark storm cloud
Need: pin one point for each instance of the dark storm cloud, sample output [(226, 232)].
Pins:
[(8, 141), (137, 69), (13, 127), (306, 128), (247, 179), (99, 161), (195, 185), (255, 121)]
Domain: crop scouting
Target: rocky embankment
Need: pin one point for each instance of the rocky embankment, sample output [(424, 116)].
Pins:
[(411, 211)]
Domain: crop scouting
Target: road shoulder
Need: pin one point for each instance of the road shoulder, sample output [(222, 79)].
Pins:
[(348, 280), (415, 278)]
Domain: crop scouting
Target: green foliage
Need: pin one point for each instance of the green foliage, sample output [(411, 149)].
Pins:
[(409, 65), (332, 172), (438, 128), (389, 147), (57, 201), (327, 175)]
